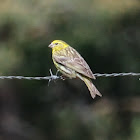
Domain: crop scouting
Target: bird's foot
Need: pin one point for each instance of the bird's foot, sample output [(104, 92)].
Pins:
[(63, 77)]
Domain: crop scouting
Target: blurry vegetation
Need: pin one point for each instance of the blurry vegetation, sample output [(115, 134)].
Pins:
[(106, 33)]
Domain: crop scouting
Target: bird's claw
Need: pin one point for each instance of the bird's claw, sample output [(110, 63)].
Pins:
[(62, 77), (54, 77)]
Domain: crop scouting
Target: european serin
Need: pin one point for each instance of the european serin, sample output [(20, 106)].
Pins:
[(71, 64)]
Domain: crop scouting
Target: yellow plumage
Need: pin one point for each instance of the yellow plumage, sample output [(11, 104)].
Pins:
[(71, 64)]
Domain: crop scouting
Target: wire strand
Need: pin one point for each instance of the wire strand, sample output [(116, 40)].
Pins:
[(54, 77), (116, 74)]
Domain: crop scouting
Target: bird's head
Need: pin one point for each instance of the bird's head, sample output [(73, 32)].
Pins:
[(58, 45)]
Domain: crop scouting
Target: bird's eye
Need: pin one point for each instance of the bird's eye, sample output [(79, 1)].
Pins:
[(56, 43)]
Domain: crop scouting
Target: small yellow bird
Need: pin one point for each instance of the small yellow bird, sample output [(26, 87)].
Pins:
[(72, 65)]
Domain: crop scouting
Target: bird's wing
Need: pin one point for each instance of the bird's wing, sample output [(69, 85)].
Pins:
[(70, 58)]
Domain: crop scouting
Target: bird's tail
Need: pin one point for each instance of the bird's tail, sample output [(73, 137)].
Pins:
[(93, 90)]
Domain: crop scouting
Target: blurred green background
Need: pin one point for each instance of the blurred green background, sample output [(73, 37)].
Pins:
[(106, 33)]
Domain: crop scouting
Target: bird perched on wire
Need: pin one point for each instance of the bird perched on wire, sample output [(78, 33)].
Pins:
[(72, 65)]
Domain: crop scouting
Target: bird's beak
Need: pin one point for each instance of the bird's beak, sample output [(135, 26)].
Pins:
[(51, 45)]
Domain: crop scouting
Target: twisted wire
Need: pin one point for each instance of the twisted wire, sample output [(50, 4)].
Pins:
[(116, 74), (54, 77)]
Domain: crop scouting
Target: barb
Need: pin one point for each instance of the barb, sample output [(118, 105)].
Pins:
[(54, 77)]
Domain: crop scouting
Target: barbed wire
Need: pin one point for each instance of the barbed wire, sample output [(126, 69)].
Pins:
[(116, 74), (54, 77)]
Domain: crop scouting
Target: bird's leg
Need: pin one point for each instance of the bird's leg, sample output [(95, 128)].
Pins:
[(62, 76), (54, 77)]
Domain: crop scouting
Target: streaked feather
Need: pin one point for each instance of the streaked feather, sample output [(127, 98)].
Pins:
[(93, 90), (70, 58)]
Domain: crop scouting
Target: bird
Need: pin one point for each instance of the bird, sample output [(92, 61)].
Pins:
[(72, 65)]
